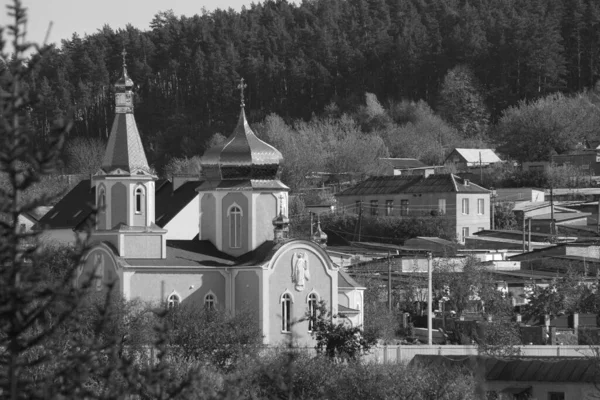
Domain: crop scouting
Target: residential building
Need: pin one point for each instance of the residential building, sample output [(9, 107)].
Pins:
[(464, 204), (515, 195), (465, 159), (219, 242), (548, 378), (588, 161), (535, 166), (405, 166)]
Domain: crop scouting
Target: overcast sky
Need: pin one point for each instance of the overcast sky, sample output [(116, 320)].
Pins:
[(87, 16)]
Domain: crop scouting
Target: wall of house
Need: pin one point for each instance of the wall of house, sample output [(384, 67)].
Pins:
[(242, 202), (587, 162), (542, 390), (208, 221), (266, 210), (155, 286), (418, 204), (185, 225), (246, 288), (352, 298), (519, 194), (474, 221), (280, 281), (142, 246)]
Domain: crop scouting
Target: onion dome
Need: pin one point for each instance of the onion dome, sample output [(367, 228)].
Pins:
[(125, 82), (243, 156), (319, 236)]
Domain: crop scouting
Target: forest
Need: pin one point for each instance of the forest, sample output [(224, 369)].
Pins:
[(411, 78)]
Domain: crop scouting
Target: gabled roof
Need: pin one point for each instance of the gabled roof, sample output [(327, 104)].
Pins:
[(404, 163), (442, 183), (170, 202), (346, 281), (77, 205), (560, 217), (521, 369), (73, 209), (473, 155)]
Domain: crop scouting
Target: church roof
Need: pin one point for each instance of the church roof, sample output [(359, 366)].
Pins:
[(77, 205), (124, 150), (242, 156)]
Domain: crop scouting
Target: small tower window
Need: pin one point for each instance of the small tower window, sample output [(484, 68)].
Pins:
[(210, 301), (101, 200), (173, 300), (235, 227), (286, 311), (139, 192), (312, 310)]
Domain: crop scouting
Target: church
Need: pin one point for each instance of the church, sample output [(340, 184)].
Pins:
[(218, 241)]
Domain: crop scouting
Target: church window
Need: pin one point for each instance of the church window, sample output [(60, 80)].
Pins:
[(210, 301), (312, 310), (286, 311), (173, 300), (235, 227), (138, 200), (102, 199)]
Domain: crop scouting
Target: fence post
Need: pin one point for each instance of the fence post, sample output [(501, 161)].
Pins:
[(399, 354), (440, 351)]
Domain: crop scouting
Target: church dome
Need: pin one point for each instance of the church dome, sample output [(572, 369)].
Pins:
[(242, 156)]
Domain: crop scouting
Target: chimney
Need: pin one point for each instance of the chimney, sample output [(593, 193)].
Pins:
[(466, 182)]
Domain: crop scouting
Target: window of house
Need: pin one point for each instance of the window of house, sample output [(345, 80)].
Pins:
[(138, 200), (210, 301), (312, 310), (442, 206), (22, 228), (481, 228), (465, 206), (173, 300), (286, 312), (374, 205), (403, 207), (235, 227), (389, 207), (480, 207), (556, 395), (465, 233)]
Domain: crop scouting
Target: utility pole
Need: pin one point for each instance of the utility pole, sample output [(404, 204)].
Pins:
[(598, 218), (480, 170), (311, 224), (360, 211), (523, 227), (551, 210), (493, 213), (389, 262), (529, 234), (429, 301)]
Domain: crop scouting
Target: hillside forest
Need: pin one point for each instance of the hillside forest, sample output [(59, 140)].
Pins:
[(336, 84)]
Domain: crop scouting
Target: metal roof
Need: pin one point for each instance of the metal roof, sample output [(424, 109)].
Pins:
[(486, 156), (124, 150), (404, 163), (400, 184), (242, 156)]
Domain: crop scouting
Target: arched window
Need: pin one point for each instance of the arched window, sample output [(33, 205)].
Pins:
[(235, 227), (139, 193), (173, 300), (210, 301), (101, 200), (286, 312), (312, 310)]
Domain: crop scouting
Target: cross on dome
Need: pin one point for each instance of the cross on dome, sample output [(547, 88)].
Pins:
[(124, 53), (242, 86)]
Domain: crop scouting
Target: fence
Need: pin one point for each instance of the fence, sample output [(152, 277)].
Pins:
[(404, 354)]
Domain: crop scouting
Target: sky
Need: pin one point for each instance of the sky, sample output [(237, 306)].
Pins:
[(87, 16)]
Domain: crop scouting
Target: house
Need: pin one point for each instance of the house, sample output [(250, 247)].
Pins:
[(535, 166), (464, 204), (464, 159), (514, 195), (562, 257), (551, 378), (27, 221), (405, 166), (220, 242), (588, 161)]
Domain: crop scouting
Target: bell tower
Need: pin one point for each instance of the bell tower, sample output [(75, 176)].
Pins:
[(125, 183)]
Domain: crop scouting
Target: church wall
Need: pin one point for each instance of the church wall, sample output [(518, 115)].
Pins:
[(118, 202), (192, 287), (184, 226), (344, 300), (242, 201), (280, 281), (266, 210), (139, 218), (143, 246), (99, 271), (208, 221), (246, 293)]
